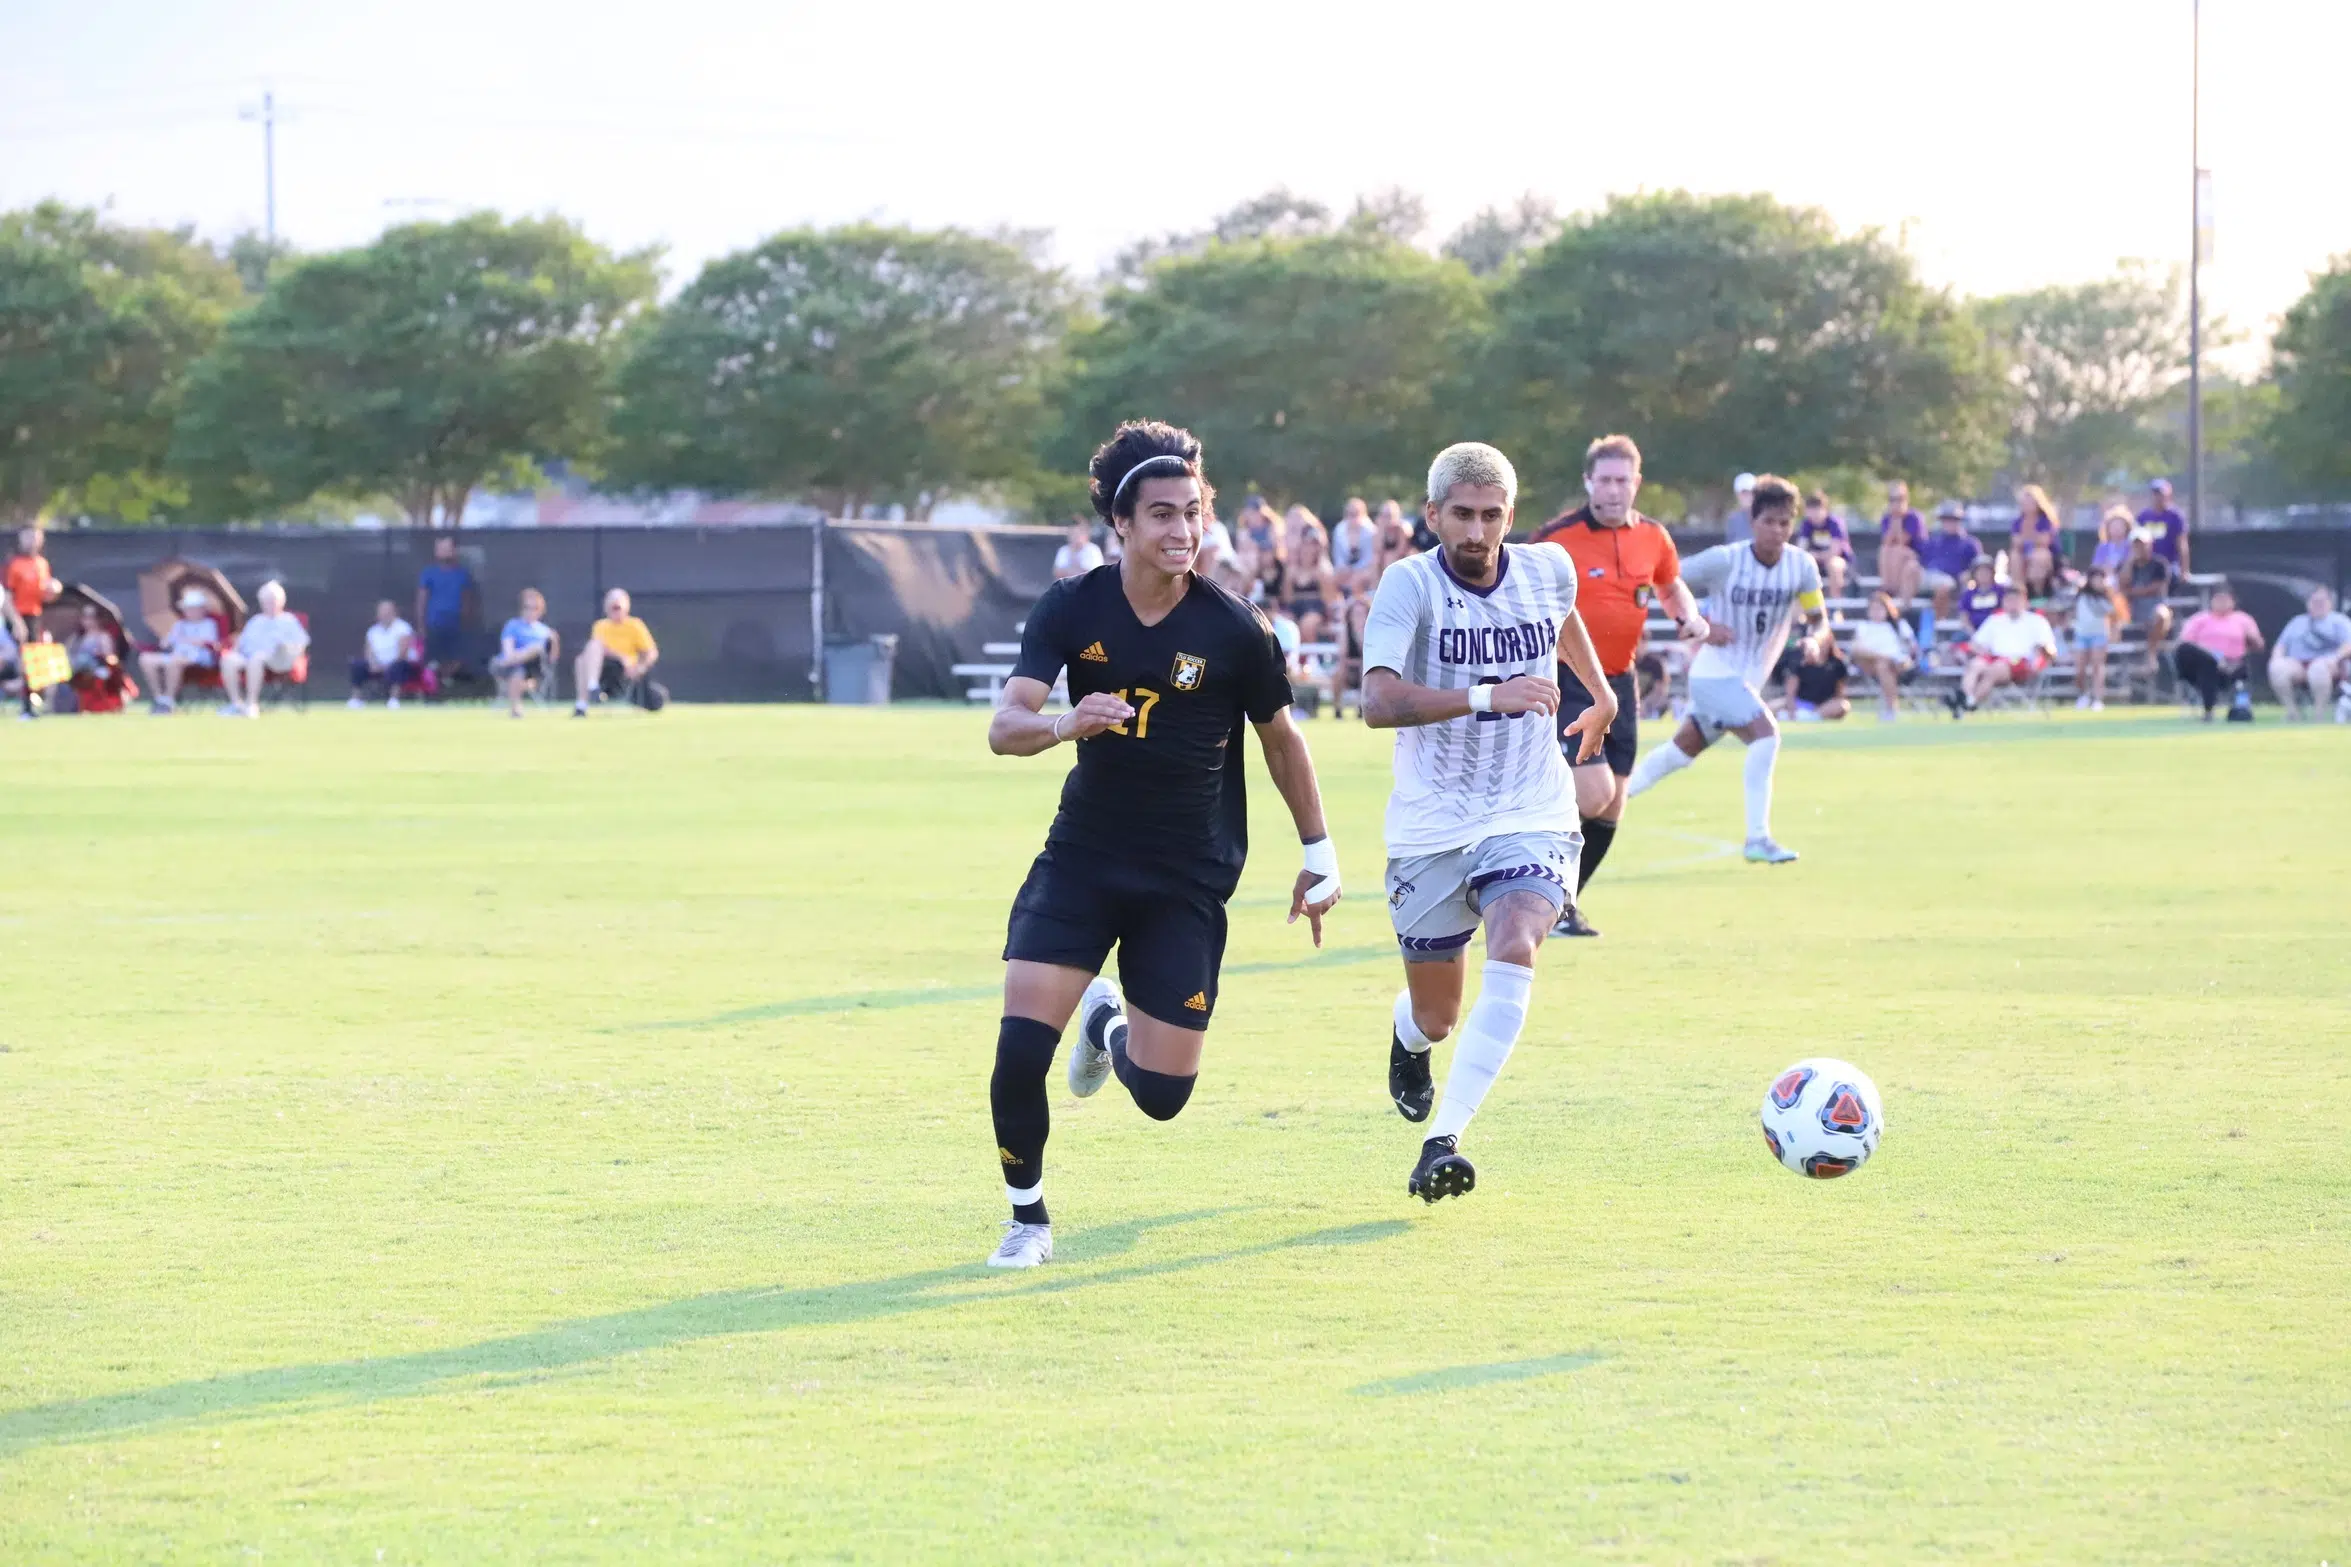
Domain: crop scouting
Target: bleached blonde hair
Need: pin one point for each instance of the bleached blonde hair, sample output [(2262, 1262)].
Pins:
[(1471, 462)]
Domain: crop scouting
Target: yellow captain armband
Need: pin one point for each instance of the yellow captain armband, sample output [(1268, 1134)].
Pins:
[(1811, 603)]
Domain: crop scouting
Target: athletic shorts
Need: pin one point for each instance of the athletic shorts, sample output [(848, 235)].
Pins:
[(2090, 639), (1621, 746), (1434, 899), (1938, 581), (1077, 904), (1722, 702)]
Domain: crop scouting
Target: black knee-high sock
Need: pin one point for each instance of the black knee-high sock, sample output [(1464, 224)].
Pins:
[(1599, 833), (1016, 1095), (1159, 1095)]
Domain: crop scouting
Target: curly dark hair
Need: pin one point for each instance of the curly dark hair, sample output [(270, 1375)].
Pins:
[(1173, 451)]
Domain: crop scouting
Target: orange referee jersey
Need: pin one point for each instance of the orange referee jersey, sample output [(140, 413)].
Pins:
[(1613, 565)]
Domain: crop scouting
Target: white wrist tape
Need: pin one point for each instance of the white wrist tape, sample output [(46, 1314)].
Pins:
[(1322, 862), (1481, 699)]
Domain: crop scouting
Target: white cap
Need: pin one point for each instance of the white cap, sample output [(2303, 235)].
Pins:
[(194, 598), (1743, 483)]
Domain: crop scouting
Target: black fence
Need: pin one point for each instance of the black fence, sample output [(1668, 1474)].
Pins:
[(741, 612), (738, 611)]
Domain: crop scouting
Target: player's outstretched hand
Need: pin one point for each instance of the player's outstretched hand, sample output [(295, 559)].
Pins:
[(1720, 636), (1590, 727), (1313, 911), (1094, 713), (1696, 629), (1526, 694)]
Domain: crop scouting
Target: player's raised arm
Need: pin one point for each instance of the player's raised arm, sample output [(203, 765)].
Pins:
[(1019, 726), (1399, 613)]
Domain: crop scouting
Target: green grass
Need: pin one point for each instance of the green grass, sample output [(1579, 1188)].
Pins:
[(425, 1138)]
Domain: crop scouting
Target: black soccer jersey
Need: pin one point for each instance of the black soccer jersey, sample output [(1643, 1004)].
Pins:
[(1166, 785)]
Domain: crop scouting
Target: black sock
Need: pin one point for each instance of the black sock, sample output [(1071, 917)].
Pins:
[(1016, 1096), (1159, 1095), (1599, 833)]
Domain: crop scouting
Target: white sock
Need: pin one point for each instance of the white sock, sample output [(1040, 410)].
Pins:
[(1664, 759), (1761, 755), (1408, 1030), (1485, 1042)]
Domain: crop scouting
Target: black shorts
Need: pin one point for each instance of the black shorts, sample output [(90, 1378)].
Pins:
[(1622, 746), (1076, 905)]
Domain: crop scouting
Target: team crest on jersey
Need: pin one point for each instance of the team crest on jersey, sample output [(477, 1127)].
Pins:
[(1190, 670)]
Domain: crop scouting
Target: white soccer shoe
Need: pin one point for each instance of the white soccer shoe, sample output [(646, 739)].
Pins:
[(1024, 1245), (1768, 851), (1089, 1059)]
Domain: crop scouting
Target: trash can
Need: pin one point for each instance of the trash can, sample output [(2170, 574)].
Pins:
[(858, 671)]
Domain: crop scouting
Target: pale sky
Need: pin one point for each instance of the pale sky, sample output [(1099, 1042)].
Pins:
[(2013, 142)]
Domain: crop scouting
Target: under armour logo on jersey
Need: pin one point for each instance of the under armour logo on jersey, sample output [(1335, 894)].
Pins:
[(1095, 655), (1454, 603), (1199, 1001)]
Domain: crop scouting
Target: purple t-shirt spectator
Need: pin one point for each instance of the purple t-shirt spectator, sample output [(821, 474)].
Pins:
[(1980, 604), (2175, 527), (1914, 529), (1829, 531), (1950, 553)]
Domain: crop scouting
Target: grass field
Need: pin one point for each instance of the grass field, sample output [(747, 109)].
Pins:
[(425, 1138)]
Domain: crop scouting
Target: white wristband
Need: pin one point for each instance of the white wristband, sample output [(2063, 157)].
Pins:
[(1481, 699), (1322, 863), (1057, 729)]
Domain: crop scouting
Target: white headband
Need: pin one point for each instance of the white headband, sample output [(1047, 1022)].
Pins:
[(1133, 473)]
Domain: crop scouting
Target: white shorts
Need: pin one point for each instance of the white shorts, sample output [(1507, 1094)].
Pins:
[(1720, 702), (278, 660), (1937, 581), (1434, 899)]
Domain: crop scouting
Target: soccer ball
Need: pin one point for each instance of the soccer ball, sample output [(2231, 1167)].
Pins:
[(1823, 1118)]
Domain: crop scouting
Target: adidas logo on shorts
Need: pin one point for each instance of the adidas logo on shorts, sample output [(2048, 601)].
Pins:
[(1199, 1001), (1095, 655)]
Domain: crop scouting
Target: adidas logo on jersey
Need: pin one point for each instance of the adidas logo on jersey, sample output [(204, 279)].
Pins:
[(1199, 1001), (1095, 655)]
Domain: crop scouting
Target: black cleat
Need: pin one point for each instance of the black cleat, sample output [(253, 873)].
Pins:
[(1573, 923), (1408, 1081), (1441, 1172)]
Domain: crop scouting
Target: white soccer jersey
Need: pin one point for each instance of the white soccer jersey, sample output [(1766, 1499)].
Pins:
[(1757, 602), (1475, 777)]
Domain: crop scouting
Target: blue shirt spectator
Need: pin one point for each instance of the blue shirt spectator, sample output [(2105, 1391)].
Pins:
[(444, 590), (524, 636)]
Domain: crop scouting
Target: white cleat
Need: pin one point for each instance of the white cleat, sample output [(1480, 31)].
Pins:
[(1025, 1245), (1089, 1060), (1767, 851)]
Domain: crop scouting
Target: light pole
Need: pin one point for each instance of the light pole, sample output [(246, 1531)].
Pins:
[(2199, 203), (267, 114)]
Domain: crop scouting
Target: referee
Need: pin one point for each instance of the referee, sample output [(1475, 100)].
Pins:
[(1620, 556)]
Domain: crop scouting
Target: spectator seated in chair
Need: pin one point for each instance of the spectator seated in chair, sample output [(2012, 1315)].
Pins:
[(272, 642), (2313, 652), (2215, 648), (1884, 649), (527, 650), (2146, 582), (619, 653), (1822, 535), (95, 658), (389, 658), (2009, 649), (11, 656), (1815, 682), (192, 643)]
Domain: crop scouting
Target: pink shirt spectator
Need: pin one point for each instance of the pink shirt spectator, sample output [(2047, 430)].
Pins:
[(2223, 636)]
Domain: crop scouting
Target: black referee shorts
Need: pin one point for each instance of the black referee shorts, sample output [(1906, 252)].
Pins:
[(1077, 904), (1622, 746)]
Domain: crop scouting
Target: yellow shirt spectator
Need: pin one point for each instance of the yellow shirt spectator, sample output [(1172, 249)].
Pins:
[(624, 637)]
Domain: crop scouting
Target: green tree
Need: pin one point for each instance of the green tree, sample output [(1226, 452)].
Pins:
[(441, 357), (2307, 434), (1729, 333), (851, 364), (1308, 366), (1497, 236), (98, 325), (2090, 365)]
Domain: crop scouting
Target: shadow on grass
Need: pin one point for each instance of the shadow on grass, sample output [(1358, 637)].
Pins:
[(575, 1344), (1452, 1377)]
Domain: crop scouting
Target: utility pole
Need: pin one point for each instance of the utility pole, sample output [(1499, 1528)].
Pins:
[(267, 114), (2199, 230)]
